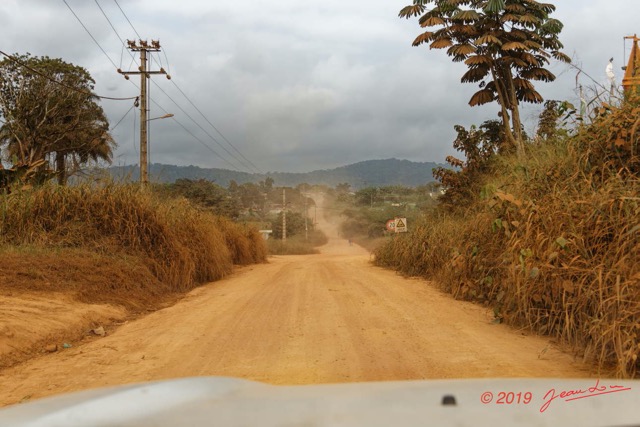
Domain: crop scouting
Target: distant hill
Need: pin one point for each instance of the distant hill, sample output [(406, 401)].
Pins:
[(370, 173)]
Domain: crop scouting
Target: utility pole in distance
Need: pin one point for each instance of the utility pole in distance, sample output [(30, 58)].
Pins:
[(144, 48), (284, 214), (306, 212)]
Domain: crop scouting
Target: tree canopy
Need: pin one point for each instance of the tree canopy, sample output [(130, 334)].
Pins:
[(505, 44), (52, 123)]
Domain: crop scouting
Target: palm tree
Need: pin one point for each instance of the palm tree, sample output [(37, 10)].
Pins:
[(505, 44), (87, 141)]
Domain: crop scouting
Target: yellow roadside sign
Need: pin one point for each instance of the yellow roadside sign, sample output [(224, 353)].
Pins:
[(401, 225)]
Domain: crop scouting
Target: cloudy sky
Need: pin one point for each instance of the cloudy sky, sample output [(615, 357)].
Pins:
[(293, 85)]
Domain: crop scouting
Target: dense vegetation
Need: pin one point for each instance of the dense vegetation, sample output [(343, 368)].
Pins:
[(147, 244), (544, 231), (259, 205), (550, 240), (365, 212)]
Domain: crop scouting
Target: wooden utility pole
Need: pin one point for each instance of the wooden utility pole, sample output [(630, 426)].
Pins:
[(284, 214), (144, 47), (306, 226)]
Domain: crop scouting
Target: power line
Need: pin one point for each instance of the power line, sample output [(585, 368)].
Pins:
[(252, 165), (110, 23), (135, 147), (133, 58), (123, 117), (167, 59), (195, 137), (113, 63), (201, 128), (91, 35), (127, 18), (115, 31), (94, 39), (51, 79), (216, 129)]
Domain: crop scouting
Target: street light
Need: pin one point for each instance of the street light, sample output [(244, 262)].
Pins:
[(166, 116), (144, 155)]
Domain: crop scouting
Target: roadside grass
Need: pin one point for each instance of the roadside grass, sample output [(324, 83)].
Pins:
[(127, 242), (246, 245), (298, 245), (552, 243)]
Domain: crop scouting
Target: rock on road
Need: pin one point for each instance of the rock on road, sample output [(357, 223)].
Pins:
[(325, 318)]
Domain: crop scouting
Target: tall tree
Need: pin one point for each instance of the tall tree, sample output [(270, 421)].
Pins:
[(505, 44), (54, 121), (204, 194)]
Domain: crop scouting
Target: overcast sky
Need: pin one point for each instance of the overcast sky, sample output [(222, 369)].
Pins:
[(293, 85)]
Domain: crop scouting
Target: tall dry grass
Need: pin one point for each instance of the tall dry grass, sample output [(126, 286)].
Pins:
[(181, 245), (246, 245), (552, 243)]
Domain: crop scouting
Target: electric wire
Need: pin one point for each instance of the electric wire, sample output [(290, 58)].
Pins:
[(199, 126), (121, 56), (135, 147), (164, 51), (117, 34), (97, 44), (109, 21), (51, 79), (181, 109), (207, 146), (127, 18), (216, 129), (123, 117), (136, 86), (153, 59), (90, 35), (148, 125), (133, 28)]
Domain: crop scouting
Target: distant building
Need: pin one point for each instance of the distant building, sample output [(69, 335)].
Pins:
[(266, 234)]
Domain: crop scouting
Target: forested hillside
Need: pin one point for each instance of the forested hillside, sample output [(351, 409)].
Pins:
[(371, 173)]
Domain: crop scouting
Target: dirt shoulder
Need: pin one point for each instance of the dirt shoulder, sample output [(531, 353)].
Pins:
[(51, 298)]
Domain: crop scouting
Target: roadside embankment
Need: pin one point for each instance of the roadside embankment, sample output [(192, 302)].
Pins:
[(74, 258)]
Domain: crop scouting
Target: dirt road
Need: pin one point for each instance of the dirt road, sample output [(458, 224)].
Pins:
[(297, 320)]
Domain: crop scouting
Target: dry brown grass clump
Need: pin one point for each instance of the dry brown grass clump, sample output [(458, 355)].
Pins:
[(553, 243), (89, 277), (245, 243), (181, 246)]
